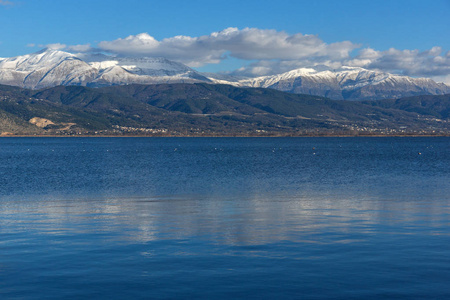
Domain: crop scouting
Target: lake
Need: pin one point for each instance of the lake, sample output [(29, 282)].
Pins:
[(220, 218)]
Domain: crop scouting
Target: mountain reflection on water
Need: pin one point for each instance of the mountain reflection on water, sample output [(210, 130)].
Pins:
[(244, 220)]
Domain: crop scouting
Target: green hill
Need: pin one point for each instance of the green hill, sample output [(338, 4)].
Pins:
[(207, 109), (437, 106)]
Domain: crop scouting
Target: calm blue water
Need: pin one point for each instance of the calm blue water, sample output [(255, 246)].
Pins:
[(212, 218)]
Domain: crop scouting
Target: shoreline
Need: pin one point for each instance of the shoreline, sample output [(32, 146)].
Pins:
[(224, 136)]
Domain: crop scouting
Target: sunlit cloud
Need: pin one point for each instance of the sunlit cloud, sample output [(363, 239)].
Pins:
[(80, 48), (268, 52), (246, 44), (272, 52), (56, 46), (431, 62)]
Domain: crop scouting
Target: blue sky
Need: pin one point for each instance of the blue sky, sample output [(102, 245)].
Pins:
[(358, 33)]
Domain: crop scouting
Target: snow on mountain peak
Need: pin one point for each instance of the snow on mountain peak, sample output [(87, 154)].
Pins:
[(344, 83), (150, 66), (51, 67), (35, 61), (301, 72)]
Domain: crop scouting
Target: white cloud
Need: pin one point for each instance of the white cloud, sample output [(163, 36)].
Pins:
[(270, 52), (137, 44), (407, 62), (64, 47), (445, 79), (246, 44), (56, 46), (80, 48), (430, 63)]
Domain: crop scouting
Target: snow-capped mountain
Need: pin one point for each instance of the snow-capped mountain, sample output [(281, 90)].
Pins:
[(49, 67), (45, 68), (346, 83)]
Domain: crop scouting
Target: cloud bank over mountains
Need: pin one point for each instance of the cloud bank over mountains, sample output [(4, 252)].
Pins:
[(245, 44), (269, 52)]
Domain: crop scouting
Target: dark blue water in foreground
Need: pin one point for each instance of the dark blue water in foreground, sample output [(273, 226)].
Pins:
[(211, 218)]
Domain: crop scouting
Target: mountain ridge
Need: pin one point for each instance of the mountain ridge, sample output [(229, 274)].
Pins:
[(49, 68), (348, 83), (202, 109)]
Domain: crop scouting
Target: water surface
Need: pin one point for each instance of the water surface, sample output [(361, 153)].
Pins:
[(258, 218)]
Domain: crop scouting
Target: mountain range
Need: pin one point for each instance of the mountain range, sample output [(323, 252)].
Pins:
[(206, 109), (50, 68)]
